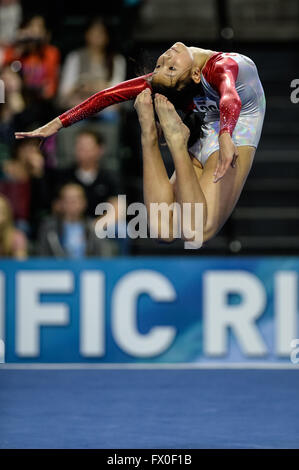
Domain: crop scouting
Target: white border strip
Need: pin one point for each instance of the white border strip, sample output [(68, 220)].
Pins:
[(151, 366)]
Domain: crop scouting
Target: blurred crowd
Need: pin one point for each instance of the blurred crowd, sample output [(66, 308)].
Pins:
[(49, 190)]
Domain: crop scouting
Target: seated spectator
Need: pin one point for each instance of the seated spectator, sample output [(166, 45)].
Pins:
[(10, 19), (13, 243), (92, 68), (69, 233), (13, 106), (98, 183), (85, 72), (27, 161), (38, 59), (20, 110), (21, 183)]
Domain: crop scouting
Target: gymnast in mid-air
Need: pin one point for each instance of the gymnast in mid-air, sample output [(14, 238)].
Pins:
[(212, 169)]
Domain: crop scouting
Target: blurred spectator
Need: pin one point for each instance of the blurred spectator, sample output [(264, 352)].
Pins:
[(70, 234), (14, 104), (21, 183), (92, 68), (37, 59), (85, 72), (10, 19), (13, 242), (20, 110), (28, 161), (98, 183)]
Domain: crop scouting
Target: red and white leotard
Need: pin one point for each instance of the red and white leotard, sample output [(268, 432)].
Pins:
[(233, 102)]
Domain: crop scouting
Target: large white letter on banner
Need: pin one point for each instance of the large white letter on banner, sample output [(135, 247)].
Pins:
[(124, 313), (286, 308), (219, 316), (92, 314), (31, 314)]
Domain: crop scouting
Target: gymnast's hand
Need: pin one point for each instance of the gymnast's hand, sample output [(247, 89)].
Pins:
[(42, 132), (228, 154)]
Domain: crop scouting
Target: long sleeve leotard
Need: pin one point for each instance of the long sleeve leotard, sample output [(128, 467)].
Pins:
[(124, 91), (221, 72)]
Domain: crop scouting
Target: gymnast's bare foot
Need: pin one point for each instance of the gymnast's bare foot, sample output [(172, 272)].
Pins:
[(145, 110), (175, 131)]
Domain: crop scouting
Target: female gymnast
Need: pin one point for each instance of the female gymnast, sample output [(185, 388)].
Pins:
[(213, 170)]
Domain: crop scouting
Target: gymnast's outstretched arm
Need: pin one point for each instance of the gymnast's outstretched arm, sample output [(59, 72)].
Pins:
[(125, 91)]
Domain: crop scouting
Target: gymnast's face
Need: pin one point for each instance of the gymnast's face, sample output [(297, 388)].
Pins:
[(174, 66)]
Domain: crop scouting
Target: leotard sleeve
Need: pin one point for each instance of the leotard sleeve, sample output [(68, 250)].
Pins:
[(125, 91), (222, 75)]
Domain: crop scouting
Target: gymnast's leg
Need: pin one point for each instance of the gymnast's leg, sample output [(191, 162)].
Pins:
[(157, 188), (218, 199)]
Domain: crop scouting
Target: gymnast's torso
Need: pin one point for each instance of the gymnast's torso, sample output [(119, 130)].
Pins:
[(247, 84), (244, 96)]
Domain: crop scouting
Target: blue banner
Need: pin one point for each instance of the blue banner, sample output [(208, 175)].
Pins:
[(150, 310)]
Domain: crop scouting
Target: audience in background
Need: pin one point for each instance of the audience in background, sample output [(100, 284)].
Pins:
[(92, 68), (22, 185), (29, 177), (99, 184), (39, 61), (30, 72), (69, 233), (20, 110), (10, 19), (11, 109), (27, 162), (85, 72), (13, 243)]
